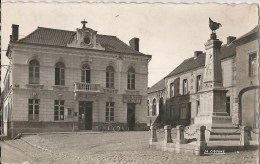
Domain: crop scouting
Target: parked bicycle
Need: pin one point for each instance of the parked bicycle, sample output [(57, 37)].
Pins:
[(108, 127)]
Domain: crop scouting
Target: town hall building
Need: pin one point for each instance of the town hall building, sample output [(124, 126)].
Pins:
[(62, 80)]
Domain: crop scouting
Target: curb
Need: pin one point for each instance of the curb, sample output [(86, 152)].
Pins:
[(46, 133)]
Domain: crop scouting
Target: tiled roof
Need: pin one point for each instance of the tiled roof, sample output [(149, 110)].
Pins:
[(254, 30), (156, 87), (228, 51), (192, 63), (56, 37), (250, 36), (189, 64)]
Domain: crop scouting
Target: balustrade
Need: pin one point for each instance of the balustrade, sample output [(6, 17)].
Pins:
[(87, 87)]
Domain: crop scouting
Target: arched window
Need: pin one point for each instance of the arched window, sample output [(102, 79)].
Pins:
[(154, 107), (131, 79), (110, 77), (34, 72), (59, 74), (85, 73)]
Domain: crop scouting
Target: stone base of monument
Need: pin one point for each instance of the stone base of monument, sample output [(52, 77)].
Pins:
[(218, 128)]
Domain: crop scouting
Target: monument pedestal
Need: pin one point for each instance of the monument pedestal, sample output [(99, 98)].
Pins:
[(213, 107), (212, 113)]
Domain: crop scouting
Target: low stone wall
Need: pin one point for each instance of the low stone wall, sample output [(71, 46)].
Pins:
[(198, 147)]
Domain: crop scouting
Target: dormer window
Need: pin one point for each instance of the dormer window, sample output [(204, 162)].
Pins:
[(87, 40)]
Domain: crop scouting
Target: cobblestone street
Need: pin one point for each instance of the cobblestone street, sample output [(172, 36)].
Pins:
[(113, 148)]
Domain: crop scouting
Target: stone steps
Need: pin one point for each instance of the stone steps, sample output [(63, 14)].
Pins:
[(224, 126), (223, 143), (224, 137), (224, 132)]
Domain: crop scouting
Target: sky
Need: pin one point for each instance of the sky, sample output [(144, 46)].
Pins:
[(169, 32)]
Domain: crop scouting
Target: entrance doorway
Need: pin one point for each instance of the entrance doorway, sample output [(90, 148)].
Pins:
[(131, 116), (85, 115)]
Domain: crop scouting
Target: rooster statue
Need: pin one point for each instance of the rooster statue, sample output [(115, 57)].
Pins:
[(214, 25)]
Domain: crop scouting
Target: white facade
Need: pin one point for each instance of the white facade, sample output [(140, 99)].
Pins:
[(73, 91)]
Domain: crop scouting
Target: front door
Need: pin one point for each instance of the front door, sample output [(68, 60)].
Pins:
[(131, 116), (85, 115)]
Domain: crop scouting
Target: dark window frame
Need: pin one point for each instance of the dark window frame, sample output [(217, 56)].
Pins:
[(154, 107), (198, 83), (33, 109), (110, 77), (228, 107), (34, 72), (85, 73), (59, 110), (59, 73), (110, 112), (181, 111), (148, 107), (131, 79), (185, 92), (252, 70), (172, 89)]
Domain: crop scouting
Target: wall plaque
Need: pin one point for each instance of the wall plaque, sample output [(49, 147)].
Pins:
[(132, 99)]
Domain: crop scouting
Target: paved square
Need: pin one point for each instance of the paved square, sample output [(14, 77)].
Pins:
[(114, 148)]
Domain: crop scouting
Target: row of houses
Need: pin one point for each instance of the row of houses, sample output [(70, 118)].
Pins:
[(176, 99), (62, 80)]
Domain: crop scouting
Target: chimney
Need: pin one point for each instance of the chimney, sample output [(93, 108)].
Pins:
[(197, 53), (230, 39), (134, 44), (15, 32)]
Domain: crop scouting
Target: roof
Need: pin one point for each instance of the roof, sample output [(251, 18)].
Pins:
[(192, 63), (156, 87), (189, 64), (57, 37), (228, 50), (251, 35), (253, 31)]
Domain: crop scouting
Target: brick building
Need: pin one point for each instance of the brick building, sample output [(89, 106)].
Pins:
[(176, 99), (73, 80)]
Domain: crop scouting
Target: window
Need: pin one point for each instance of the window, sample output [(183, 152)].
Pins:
[(171, 89), (183, 111), (33, 106), (110, 77), (252, 65), (58, 109), (110, 111), (154, 107), (199, 83), (131, 79), (85, 73), (34, 72), (228, 105), (59, 74), (198, 107), (148, 108), (185, 86)]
